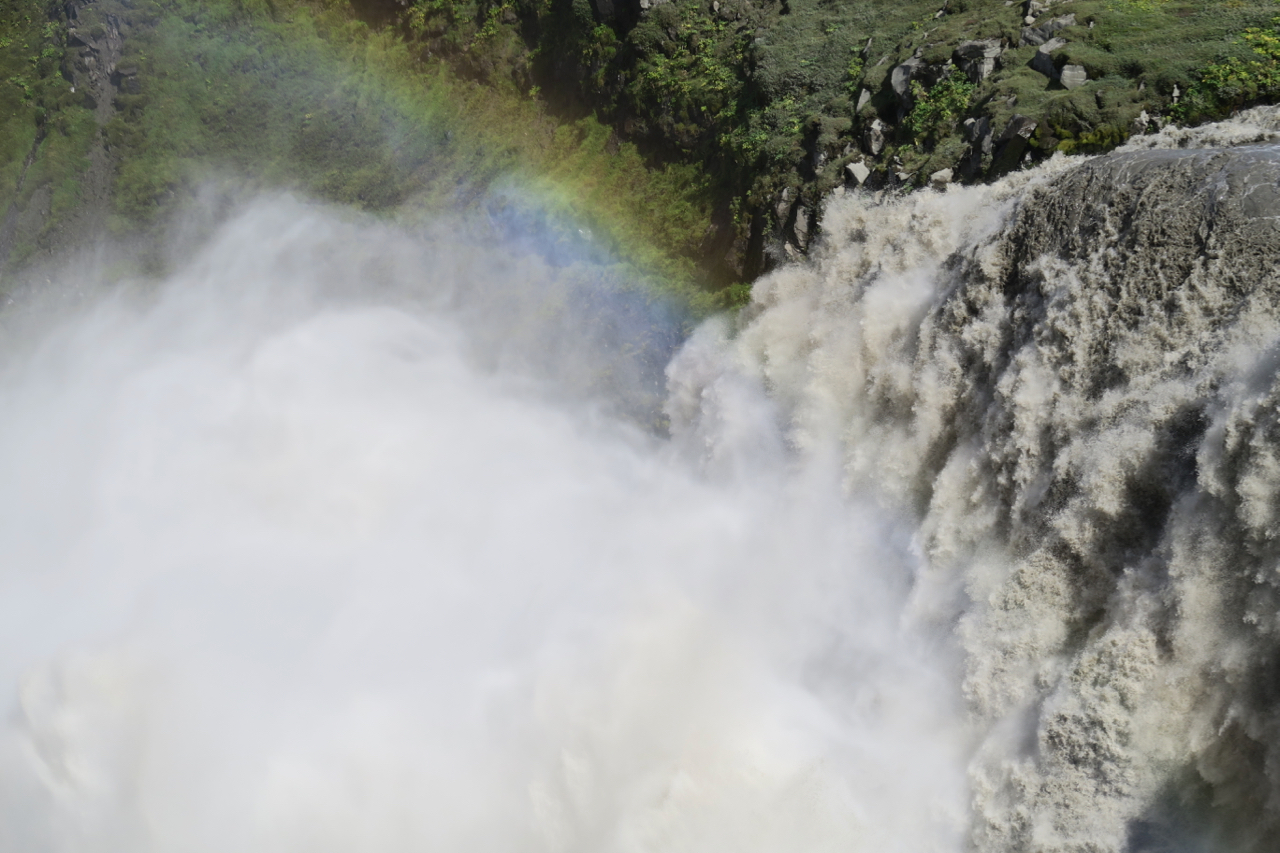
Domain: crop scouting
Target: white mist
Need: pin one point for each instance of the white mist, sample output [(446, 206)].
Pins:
[(300, 553)]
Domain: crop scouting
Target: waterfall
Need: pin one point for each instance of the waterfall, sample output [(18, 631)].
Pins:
[(1069, 378), (351, 536)]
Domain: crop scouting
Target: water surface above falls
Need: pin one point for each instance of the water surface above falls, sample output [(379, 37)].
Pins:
[(960, 537)]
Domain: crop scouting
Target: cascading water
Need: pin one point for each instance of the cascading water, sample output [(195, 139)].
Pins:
[(349, 538), (336, 542), (1070, 379)]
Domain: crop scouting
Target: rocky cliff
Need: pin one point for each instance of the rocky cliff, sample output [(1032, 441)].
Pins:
[(783, 100)]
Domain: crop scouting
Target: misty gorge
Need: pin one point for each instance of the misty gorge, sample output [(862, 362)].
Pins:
[(410, 442)]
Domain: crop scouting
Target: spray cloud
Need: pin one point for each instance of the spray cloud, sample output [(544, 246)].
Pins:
[(344, 538)]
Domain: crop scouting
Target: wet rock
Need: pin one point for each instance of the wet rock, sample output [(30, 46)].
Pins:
[(939, 179)]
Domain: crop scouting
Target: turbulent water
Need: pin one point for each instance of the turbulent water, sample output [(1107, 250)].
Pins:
[(348, 537), (1070, 379)]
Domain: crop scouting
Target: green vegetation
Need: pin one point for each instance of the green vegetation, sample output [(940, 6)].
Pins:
[(45, 128), (1236, 82), (304, 96), (767, 96), (685, 134), (938, 107)]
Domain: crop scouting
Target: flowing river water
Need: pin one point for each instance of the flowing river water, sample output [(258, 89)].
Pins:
[(961, 536)]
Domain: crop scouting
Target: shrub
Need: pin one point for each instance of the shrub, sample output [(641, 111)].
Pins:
[(937, 108)]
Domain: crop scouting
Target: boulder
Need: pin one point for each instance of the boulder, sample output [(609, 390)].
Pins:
[(1012, 145), (1139, 124), (939, 179), (900, 78), (1042, 33), (1043, 60), (858, 173), (874, 138), (977, 59), (783, 205), (1035, 8), (977, 132), (1073, 76), (1019, 126)]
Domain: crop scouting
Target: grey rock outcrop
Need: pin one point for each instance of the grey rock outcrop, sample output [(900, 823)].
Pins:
[(1036, 8), (1012, 144), (977, 132), (1043, 60), (1042, 33), (977, 59), (900, 78), (783, 205), (1073, 76), (801, 227), (874, 138)]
